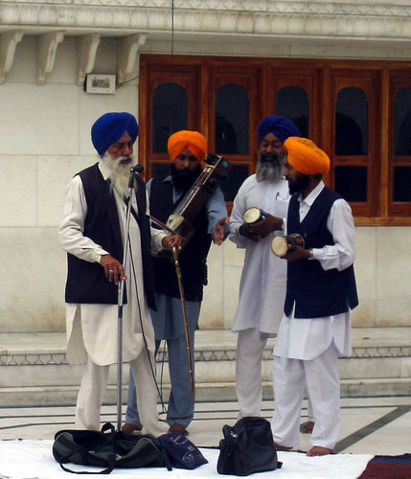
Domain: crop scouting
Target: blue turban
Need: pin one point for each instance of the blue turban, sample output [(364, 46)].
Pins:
[(111, 127), (278, 126)]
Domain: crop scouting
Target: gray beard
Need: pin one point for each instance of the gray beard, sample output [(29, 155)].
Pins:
[(119, 174), (270, 170)]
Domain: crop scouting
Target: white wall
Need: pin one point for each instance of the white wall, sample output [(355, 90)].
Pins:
[(45, 139), (383, 274)]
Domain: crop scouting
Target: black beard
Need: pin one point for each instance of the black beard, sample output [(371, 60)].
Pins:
[(184, 179), (299, 184)]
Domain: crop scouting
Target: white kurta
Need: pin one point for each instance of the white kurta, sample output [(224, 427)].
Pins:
[(307, 350), (308, 338), (96, 334), (262, 286)]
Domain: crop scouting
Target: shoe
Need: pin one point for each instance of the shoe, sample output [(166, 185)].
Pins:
[(131, 429), (307, 427), (179, 429)]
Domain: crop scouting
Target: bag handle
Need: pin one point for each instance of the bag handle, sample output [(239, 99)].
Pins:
[(76, 448), (107, 470)]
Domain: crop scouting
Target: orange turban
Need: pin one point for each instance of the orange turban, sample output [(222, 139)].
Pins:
[(193, 140), (305, 156)]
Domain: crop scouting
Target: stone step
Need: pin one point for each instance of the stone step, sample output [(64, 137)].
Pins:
[(34, 370), (42, 396)]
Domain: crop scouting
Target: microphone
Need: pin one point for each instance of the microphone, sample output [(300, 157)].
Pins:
[(135, 170)]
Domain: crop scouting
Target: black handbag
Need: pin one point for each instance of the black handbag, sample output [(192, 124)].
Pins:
[(247, 447)]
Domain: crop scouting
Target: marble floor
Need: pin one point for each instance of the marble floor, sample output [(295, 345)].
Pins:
[(371, 425)]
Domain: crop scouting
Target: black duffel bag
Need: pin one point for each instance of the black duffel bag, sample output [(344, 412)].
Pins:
[(247, 447), (106, 449)]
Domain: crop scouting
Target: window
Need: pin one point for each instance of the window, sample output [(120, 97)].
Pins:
[(354, 152), (399, 197), (292, 103), (169, 114), (359, 112), (351, 122), (231, 120)]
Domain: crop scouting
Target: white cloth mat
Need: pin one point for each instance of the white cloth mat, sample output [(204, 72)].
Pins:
[(29, 459)]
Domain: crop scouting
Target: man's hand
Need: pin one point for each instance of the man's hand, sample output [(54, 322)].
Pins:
[(266, 226), (219, 231), (113, 269), (296, 253), (244, 230), (172, 241)]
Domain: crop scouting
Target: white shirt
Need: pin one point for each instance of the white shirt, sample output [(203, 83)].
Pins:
[(97, 336), (263, 279), (307, 338)]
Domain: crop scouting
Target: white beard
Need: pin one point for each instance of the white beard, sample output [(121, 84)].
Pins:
[(119, 173)]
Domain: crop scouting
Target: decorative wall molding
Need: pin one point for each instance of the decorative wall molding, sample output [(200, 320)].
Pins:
[(204, 354), (379, 29), (8, 43), (127, 64), (363, 20), (46, 54), (87, 48)]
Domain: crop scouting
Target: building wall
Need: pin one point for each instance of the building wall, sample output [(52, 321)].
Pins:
[(45, 139)]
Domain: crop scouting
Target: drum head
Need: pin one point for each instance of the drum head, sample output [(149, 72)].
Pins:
[(251, 215), (279, 246)]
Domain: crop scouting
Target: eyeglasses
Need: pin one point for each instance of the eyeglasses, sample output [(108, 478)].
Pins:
[(187, 157)]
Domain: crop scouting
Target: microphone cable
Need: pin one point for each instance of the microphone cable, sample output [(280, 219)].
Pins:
[(152, 367)]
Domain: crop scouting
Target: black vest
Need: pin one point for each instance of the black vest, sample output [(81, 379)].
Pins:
[(316, 293), (86, 282), (193, 256)]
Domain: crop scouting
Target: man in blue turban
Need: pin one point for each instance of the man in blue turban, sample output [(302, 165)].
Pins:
[(263, 280), (92, 233), (110, 127), (278, 126)]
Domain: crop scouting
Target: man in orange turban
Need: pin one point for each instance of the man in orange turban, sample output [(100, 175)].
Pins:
[(315, 328), (191, 140), (187, 150)]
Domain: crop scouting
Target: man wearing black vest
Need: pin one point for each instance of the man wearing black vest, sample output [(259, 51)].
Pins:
[(187, 150), (315, 328), (92, 233)]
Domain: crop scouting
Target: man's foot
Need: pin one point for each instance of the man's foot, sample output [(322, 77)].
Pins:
[(179, 429), (319, 451), (307, 427), (131, 428), (279, 447)]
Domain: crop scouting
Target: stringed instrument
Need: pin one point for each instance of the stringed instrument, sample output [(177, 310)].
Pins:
[(182, 219)]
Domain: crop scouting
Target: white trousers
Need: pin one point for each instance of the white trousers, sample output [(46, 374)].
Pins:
[(250, 348), (323, 384), (93, 385)]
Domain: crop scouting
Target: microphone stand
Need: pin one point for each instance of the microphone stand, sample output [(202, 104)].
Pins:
[(121, 285)]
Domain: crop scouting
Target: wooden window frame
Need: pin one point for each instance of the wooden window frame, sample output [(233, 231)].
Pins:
[(320, 79), (398, 80)]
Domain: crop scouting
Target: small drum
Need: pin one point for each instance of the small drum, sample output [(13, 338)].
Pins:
[(253, 215), (279, 245)]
